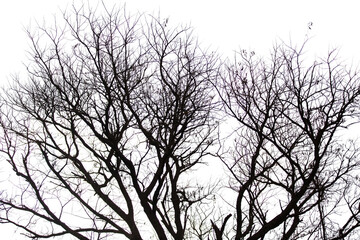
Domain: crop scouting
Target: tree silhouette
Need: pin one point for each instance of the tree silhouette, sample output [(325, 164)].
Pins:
[(292, 170), (121, 111), (117, 109)]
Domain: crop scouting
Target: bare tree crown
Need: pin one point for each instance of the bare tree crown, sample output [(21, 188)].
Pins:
[(120, 111)]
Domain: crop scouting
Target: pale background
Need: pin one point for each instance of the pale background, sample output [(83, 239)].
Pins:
[(224, 25)]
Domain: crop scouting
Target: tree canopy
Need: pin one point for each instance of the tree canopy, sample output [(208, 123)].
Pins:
[(120, 113)]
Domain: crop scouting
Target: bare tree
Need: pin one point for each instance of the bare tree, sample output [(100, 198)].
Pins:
[(120, 110), (116, 113), (292, 171)]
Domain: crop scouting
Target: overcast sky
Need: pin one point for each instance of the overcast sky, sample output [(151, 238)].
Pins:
[(224, 25)]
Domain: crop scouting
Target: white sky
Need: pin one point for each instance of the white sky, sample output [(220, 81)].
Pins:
[(225, 25)]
